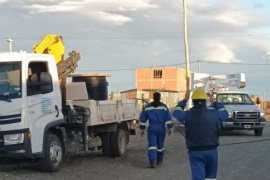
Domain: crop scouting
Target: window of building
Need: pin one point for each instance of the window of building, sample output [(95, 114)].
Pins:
[(157, 73)]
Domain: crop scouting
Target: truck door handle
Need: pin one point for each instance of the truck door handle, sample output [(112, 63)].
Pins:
[(56, 108)]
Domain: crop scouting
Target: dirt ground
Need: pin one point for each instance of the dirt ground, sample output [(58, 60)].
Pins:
[(241, 161)]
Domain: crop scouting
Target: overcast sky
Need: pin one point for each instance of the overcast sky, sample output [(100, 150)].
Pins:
[(116, 36)]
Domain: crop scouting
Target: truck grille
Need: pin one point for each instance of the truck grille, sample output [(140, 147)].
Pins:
[(247, 116)]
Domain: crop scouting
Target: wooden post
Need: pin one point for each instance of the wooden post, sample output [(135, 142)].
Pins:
[(186, 46)]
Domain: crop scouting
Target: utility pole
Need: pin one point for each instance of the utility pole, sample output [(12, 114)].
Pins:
[(10, 41), (186, 46)]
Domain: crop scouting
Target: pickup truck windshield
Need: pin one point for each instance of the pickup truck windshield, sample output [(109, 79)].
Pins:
[(234, 98), (10, 81)]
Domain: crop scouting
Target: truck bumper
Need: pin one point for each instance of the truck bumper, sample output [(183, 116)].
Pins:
[(22, 150), (231, 124)]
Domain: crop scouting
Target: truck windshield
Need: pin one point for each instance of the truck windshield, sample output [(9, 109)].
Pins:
[(10, 81), (234, 98)]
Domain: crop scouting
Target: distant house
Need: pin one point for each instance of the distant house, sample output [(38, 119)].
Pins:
[(169, 81), (166, 78)]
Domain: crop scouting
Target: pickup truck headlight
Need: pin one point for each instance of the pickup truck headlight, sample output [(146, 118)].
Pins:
[(261, 114), (230, 115), (12, 139)]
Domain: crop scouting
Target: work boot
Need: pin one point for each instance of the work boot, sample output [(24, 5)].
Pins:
[(152, 165), (160, 163)]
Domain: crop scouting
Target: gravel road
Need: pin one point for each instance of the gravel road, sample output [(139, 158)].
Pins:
[(244, 161)]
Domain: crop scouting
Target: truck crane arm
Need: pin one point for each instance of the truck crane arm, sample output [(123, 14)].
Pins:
[(53, 44), (69, 65), (218, 82)]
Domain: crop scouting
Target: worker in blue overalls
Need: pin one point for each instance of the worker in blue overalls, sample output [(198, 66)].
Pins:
[(159, 117), (202, 133)]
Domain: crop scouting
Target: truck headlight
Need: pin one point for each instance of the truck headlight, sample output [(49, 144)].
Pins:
[(12, 139), (262, 114), (230, 115)]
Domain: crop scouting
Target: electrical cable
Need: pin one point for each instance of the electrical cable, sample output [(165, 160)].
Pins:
[(153, 37), (168, 65), (236, 63), (128, 69), (228, 144)]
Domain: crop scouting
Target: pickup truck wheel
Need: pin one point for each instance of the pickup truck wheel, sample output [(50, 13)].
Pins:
[(221, 130), (105, 140), (118, 143), (53, 158), (258, 132)]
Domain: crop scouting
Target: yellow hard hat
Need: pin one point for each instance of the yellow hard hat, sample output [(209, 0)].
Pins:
[(199, 93)]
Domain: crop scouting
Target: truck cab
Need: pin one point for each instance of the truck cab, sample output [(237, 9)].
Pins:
[(243, 113), (30, 102)]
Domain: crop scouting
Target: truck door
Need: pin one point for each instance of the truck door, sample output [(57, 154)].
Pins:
[(41, 106)]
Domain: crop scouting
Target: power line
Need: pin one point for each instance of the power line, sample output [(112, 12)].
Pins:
[(149, 37), (168, 65), (236, 63), (257, 89), (129, 69)]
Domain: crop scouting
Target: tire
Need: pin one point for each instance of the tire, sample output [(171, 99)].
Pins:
[(105, 140), (258, 132), (53, 158), (118, 143), (221, 130)]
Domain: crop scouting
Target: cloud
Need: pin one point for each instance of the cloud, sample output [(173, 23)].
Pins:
[(225, 15), (223, 31), (266, 54), (156, 53), (216, 51), (110, 19), (3, 1), (37, 8), (108, 11), (236, 18)]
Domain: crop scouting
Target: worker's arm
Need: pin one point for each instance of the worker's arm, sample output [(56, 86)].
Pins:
[(143, 119), (222, 112), (179, 112), (168, 119)]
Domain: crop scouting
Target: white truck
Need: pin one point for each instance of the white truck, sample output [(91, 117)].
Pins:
[(43, 119), (243, 113)]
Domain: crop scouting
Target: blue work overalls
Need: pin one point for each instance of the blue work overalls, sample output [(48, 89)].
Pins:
[(202, 137), (158, 117)]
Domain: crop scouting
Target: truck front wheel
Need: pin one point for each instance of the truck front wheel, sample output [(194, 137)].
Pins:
[(53, 158), (258, 132)]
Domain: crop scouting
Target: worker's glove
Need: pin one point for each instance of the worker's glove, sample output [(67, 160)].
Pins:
[(142, 133), (170, 131)]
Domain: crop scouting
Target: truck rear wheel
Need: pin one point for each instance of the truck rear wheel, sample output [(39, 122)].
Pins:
[(53, 158), (258, 132), (118, 143), (105, 140)]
